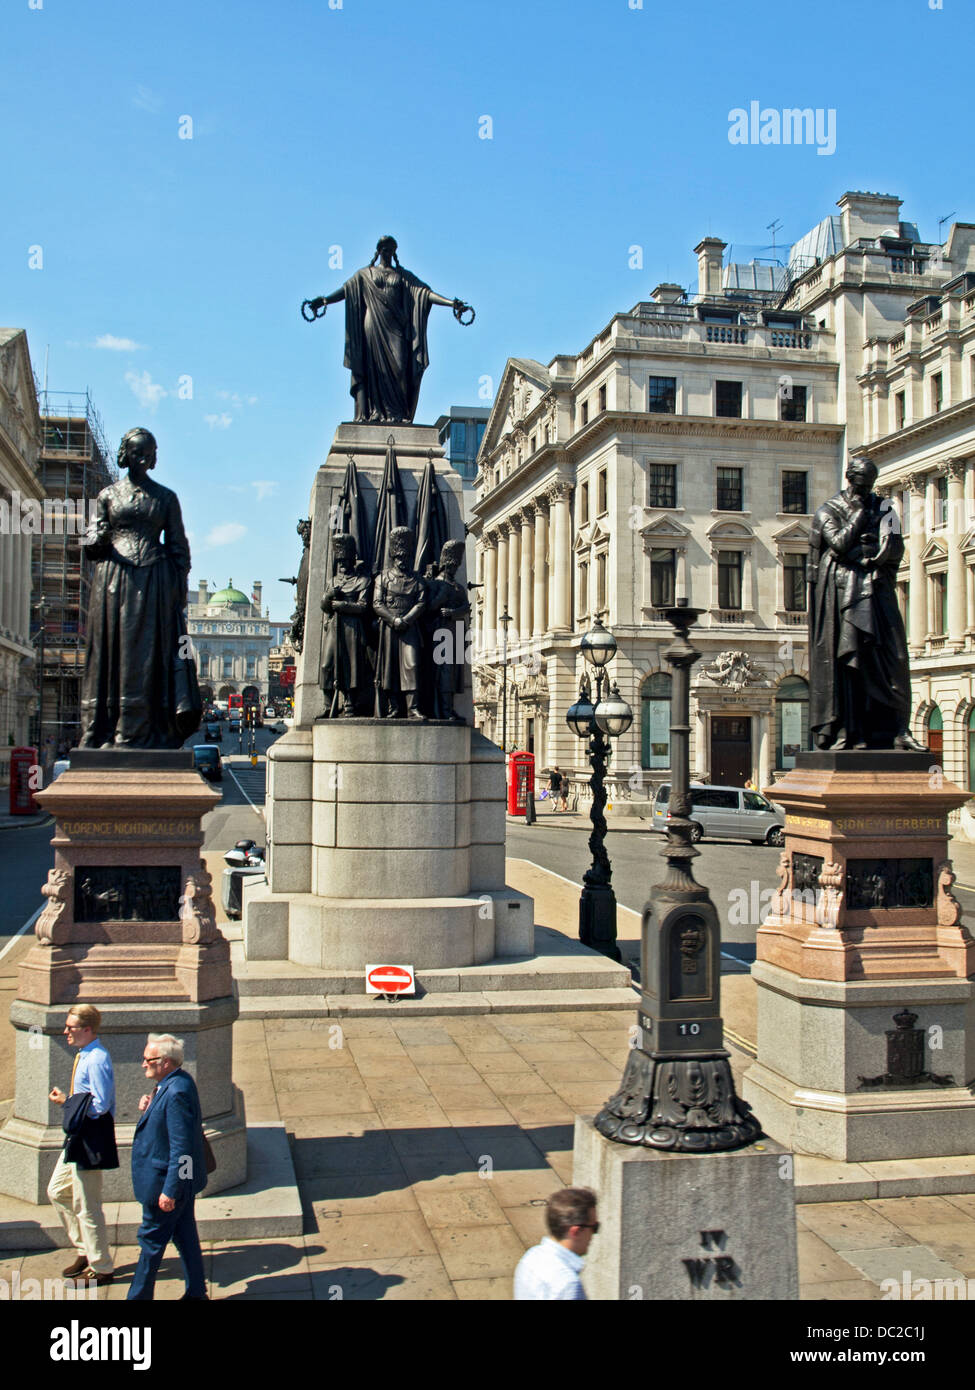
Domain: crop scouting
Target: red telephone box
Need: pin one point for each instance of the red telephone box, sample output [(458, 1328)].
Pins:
[(23, 761), (521, 781)]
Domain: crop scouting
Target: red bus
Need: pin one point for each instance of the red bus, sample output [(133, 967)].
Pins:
[(235, 702)]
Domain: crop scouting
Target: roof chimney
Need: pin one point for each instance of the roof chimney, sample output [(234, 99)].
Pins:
[(203, 593), (256, 596), (668, 294), (710, 253)]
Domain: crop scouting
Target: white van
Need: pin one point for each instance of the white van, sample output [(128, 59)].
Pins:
[(726, 813)]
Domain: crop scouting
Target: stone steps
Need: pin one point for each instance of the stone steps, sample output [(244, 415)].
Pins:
[(526, 1001)]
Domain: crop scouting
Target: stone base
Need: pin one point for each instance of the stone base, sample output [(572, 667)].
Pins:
[(343, 935), (32, 1136), (818, 1040), (265, 1207), (688, 1227)]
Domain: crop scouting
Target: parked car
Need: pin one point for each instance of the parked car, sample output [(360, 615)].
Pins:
[(726, 813), (207, 761), (212, 731), (270, 712)]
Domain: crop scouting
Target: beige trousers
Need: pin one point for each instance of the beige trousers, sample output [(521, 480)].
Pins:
[(76, 1195)]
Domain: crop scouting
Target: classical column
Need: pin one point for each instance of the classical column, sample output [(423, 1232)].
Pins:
[(25, 594), (562, 539), (540, 604), (6, 578), (764, 749), (502, 586), (956, 560), (919, 607), (490, 579), (525, 598), (514, 577)]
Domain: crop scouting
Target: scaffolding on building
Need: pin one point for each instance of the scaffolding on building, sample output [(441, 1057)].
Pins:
[(74, 466)]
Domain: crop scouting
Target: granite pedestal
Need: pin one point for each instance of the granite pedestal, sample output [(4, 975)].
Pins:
[(129, 927), (866, 1006), (385, 837), (717, 1227)]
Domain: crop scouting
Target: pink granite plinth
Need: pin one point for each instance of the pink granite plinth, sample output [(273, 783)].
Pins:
[(129, 913)]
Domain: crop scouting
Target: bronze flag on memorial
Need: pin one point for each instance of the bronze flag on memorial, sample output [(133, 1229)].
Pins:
[(430, 523), (391, 511), (352, 513)]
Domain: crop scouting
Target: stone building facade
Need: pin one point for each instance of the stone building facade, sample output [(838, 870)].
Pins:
[(919, 406), (20, 442), (232, 638), (681, 454)]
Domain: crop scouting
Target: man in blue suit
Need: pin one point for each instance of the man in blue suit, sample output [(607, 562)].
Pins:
[(168, 1168)]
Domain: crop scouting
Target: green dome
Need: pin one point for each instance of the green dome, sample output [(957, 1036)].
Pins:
[(224, 598)]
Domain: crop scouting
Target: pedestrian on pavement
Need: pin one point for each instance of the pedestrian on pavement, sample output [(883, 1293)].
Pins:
[(168, 1168), (550, 1270), (75, 1189), (564, 792), (554, 785)]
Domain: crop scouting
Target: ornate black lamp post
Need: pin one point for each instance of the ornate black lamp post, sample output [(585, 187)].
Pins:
[(607, 718), (504, 620), (677, 1090)]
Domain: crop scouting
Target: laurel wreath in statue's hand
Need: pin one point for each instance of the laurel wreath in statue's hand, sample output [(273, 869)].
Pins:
[(460, 309), (317, 307)]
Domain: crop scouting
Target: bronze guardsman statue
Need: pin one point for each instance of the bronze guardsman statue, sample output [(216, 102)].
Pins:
[(859, 678), (447, 607), (347, 668), (399, 600), (140, 687), (386, 312)]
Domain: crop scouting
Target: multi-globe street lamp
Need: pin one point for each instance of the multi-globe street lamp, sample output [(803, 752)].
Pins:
[(607, 718)]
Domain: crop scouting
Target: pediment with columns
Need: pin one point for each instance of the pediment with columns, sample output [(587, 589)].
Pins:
[(795, 532), (936, 549), (664, 528), (730, 531), (523, 383)]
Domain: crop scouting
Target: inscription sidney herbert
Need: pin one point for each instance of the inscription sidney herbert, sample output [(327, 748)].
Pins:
[(130, 827), (871, 825)]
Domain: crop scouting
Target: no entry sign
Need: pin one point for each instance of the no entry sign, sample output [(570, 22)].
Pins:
[(390, 979)]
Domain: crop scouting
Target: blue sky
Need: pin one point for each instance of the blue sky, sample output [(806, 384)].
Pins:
[(315, 127)]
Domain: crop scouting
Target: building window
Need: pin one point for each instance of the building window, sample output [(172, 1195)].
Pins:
[(941, 503), (934, 728), (602, 599), (937, 392), (900, 410), (729, 490), (729, 578), (583, 588), (602, 398), (791, 720), (584, 412), (531, 443), (663, 577), (794, 496), (662, 485), (601, 500), (584, 505), (971, 749), (662, 395), (458, 438), (792, 404), (794, 571), (727, 398), (548, 434), (228, 665), (940, 583), (655, 720)]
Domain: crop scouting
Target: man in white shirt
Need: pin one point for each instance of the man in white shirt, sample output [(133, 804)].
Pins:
[(550, 1270)]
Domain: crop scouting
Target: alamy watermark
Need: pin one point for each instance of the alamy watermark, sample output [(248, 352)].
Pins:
[(793, 125)]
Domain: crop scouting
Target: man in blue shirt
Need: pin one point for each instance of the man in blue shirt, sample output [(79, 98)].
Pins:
[(550, 1270), (75, 1189)]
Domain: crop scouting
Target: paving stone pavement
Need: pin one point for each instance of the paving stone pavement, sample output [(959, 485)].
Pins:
[(425, 1150)]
